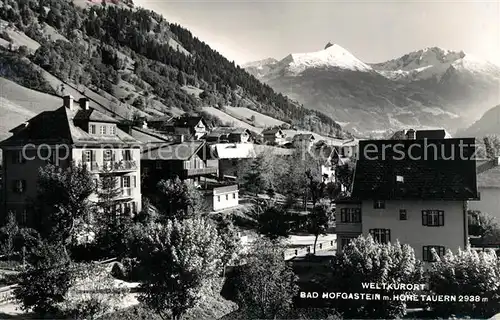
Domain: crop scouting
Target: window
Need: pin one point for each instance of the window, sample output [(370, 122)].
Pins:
[(18, 157), (92, 129), (102, 129), (234, 195), (218, 198), (24, 217), (227, 197), (19, 186), (87, 156), (158, 165), (112, 130), (400, 179), (402, 214), (427, 252), (379, 204), (350, 215), (433, 218), (108, 155), (127, 155), (126, 182), (344, 242), (96, 184), (381, 235)]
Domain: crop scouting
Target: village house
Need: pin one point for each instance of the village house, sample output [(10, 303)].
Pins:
[(74, 133), (413, 134), (274, 136), (190, 127), (228, 135), (305, 140), (349, 149), (419, 197)]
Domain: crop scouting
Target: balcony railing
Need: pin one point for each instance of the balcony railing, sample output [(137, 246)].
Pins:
[(112, 166), (200, 171), (348, 227)]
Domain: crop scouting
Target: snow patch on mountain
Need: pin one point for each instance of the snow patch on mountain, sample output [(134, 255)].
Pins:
[(260, 64), (333, 56)]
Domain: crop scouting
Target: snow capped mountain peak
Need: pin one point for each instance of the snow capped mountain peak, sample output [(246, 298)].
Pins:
[(260, 63), (333, 56)]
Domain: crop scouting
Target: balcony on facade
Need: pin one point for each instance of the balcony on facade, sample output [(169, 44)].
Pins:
[(112, 166), (199, 171), (348, 227)]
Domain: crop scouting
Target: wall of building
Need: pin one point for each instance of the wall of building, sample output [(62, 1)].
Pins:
[(411, 231), (489, 203), (224, 199)]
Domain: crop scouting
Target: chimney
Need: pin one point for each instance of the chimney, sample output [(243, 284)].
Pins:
[(144, 124), (68, 102), (84, 103), (411, 134)]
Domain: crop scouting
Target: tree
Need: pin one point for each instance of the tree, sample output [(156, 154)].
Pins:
[(266, 284), (344, 174), (364, 260), (179, 199), (62, 201), (44, 284), (485, 227), (274, 222), (179, 258), (467, 272), (14, 238), (108, 191), (230, 241), (317, 221), (253, 181)]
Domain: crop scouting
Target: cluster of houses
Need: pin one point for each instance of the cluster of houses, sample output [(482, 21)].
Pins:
[(139, 154), (400, 190)]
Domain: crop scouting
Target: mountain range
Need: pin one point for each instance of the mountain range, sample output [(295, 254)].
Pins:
[(428, 88)]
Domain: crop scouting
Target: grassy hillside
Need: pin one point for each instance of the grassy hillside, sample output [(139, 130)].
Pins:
[(131, 63)]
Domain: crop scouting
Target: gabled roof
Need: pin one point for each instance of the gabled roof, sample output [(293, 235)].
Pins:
[(303, 136), (431, 134), (94, 115), (232, 151), (187, 122), (173, 151), (378, 177), (57, 126), (146, 135), (272, 131), (220, 131)]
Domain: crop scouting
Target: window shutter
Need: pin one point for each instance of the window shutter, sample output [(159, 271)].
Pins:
[(124, 155), (342, 215), (122, 182), (134, 181), (388, 232), (425, 253), (441, 218), (92, 155), (424, 217)]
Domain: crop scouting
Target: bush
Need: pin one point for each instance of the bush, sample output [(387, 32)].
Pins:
[(365, 260), (470, 273)]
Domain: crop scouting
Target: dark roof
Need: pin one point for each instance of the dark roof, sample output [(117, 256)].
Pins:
[(430, 134), (303, 136), (220, 131), (271, 131), (57, 126), (94, 115), (187, 122), (447, 174), (173, 151)]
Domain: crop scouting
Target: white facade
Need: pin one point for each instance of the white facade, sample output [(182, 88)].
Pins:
[(225, 197), (451, 235)]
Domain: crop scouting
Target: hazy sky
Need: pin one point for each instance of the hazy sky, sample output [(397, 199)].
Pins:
[(374, 31)]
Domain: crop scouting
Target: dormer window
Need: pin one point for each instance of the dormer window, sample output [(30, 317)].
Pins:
[(92, 129), (112, 130), (102, 130)]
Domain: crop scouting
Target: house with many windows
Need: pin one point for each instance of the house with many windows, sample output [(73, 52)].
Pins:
[(74, 133), (274, 136), (413, 191), (228, 135)]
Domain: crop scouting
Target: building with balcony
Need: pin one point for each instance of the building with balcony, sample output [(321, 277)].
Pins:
[(410, 190), (185, 160), (274, 136), (74, 133)]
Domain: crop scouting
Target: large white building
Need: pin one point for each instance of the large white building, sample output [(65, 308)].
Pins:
[(418, 199), (73, 133)]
